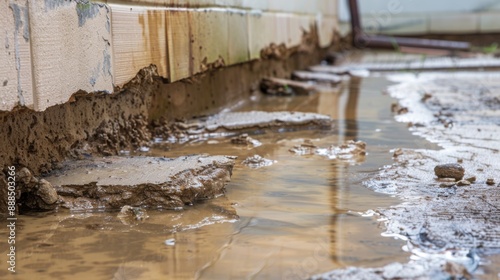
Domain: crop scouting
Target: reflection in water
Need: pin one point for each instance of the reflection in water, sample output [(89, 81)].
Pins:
[(351, 111), (350, 132), (289, 220)]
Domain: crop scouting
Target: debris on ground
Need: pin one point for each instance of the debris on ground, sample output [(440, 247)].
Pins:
[(257, 161), (462, 183), (113, 182), (276, 86), (490, 181), (397, 109), (417, 270), (246, 140), (397, 152), (111, 136), (471, 179), (306, 148), (130, 215), (316, 76), (33, 192), (351, 151)]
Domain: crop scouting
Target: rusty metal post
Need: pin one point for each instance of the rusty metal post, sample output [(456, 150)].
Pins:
[(355, 21)]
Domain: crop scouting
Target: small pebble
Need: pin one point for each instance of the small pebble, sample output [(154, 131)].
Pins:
[(397, 152), (490, 181), (471, 179), (450, 170), (170, 242), (402, 111), (426, 96), (462, 183), (447, 185)]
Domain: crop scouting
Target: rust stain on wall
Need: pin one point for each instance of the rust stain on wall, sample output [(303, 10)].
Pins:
[(153, 31), (156, 25), (179, 41)]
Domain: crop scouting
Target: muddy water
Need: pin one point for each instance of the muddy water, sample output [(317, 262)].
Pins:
[(295, 218)]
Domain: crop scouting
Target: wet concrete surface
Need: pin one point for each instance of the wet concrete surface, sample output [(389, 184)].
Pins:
[(351, 151)]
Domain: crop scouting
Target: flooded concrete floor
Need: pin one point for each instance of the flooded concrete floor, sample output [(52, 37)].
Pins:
[(301, 216)]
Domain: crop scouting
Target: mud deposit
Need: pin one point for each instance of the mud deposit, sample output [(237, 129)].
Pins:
[(239, 122), (301, 216), (293, 219)]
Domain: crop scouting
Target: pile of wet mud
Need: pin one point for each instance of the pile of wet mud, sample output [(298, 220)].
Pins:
[(228, 123), (151, 182), (115, 182)]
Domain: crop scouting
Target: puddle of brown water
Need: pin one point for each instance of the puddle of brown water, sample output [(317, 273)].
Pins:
[(290, 220)]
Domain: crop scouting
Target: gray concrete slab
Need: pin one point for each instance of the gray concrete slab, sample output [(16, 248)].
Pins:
[(113, 182)]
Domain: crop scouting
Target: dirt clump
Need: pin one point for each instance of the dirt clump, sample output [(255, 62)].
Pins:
[(306, 148), (490, 181), (275, 51), (3, 194), (114, 182), (246, 140), (257, 161), (131, 215), (457, 217), (35, 193), (115, 135), (397, 152), (351, 151), (275, 86), (239, 122), (418, 269), (462, 183), (471, 179), (397, 109)]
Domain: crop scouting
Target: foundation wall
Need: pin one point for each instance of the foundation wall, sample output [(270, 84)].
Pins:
[(55, 48), (85, 78)]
